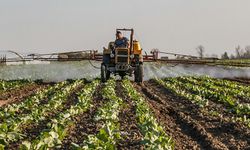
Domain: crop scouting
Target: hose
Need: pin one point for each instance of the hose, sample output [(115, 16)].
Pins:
[(93, 65)]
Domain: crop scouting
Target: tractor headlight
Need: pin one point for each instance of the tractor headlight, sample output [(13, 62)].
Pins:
[(132, 56), (112, 55)]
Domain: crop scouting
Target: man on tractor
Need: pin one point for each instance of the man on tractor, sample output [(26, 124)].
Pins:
[(123, 57), (121, 41)]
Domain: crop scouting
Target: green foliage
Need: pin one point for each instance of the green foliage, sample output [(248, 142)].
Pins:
[(11, 128), (57, 130), (204, 89), (8, 85), (175, 88), (108, 113), (208, 90), (199, 90), (31, 103)]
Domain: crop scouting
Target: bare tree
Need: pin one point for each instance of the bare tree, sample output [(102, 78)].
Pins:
[(238, 51), (242, 53), (247, 53), (247, 48), (200, 50)]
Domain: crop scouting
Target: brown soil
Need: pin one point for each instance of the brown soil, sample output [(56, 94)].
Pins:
[(131, 135), (191, 127), (20, 94)]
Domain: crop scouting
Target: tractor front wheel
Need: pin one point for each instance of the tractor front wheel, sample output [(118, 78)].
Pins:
[(105, 74)]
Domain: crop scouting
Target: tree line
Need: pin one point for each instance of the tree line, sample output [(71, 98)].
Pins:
[(240, 53)]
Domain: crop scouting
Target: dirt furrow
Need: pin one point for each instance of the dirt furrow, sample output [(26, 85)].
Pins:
[(215, 119), (20, 94), (207, 127), (131, 135), (166, 118), (84, 124), (244, 81)]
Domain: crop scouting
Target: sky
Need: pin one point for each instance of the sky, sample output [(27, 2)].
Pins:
[(179, 26)]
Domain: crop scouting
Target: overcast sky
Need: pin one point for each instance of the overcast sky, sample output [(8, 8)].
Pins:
[(169, 25)]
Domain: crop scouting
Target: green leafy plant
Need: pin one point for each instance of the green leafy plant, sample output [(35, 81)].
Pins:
[(154, 136), (57, 130), (109, 133), (8, 85), (31, 103), (14, 124)]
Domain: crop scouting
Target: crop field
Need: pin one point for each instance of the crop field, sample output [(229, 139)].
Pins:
[(187, 112)]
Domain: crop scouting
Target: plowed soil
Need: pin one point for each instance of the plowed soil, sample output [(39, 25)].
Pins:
[(190, 126), (240, 80), (20, 93)]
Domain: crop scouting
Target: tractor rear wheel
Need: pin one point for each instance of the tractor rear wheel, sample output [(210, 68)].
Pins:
[(138, 73)]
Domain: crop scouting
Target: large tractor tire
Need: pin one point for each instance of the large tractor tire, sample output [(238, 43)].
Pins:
[(138, 74), (105, 74), (108, 74)]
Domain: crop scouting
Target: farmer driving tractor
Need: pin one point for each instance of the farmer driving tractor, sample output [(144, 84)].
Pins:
[(121, 41), (122, 57)]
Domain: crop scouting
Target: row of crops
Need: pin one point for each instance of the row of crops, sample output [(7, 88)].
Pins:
[(48, 104), (16, 116), (8, 85), (235, 97), (50, 112)]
